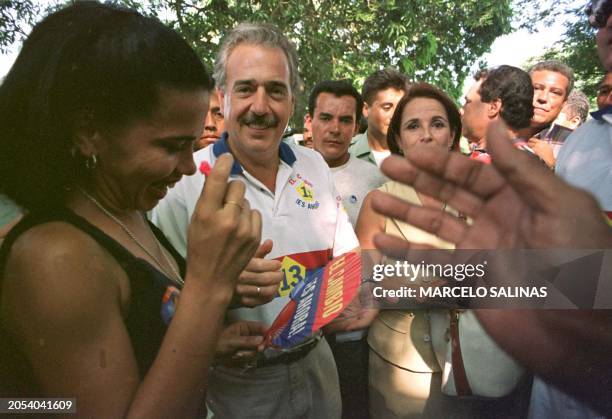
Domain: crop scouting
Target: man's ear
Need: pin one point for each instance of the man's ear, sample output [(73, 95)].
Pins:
[(365, 111), (575, 122), (494, 108)]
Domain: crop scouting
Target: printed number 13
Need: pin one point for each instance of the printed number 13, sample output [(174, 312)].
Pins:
[(296, 276)]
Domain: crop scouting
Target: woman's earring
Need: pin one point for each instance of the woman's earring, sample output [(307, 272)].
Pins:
[(91, 162)]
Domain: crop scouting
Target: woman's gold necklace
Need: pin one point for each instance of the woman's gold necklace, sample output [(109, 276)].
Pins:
[(176, 277)]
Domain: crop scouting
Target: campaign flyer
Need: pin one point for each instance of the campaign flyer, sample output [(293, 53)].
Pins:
[(316, 301)]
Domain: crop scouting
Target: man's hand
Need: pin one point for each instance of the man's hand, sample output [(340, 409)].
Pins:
[(514, 203), (543, 150), (259, 282), (355, 316), (239, 342)]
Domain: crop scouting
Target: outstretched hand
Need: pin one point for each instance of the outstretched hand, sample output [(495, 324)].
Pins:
[(514, 203)]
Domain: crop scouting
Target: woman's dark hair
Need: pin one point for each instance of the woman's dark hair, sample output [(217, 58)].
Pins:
[(87, 65), (426, 90)]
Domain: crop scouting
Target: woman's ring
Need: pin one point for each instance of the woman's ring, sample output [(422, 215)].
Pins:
[(234, 203)]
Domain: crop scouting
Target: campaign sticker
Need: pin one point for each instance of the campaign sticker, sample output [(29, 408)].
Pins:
[(169, 303), (316, 301), (305, 191), (295, 266)]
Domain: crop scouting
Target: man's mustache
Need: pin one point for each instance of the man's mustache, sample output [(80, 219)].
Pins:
[(260, 121)]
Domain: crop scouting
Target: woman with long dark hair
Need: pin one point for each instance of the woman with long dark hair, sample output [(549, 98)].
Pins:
[(98, 117)]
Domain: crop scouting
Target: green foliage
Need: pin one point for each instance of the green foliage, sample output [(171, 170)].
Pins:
[(15, 17), (429, 40), (577, 47), (530, 14)]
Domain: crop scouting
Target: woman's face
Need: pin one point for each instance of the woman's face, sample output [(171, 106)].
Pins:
[(425, 124), (139, 163)]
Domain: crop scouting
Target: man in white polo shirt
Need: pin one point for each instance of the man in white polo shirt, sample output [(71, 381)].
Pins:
[(292, 187)]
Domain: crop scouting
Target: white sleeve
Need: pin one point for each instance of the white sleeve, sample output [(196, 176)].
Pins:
[(345, 239), (172, 215)]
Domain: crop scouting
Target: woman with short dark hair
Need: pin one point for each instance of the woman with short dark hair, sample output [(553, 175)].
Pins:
[(409, 363)]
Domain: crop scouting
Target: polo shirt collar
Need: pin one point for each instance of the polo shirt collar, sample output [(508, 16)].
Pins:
[(285, 153), (360, 145), (603, 114)]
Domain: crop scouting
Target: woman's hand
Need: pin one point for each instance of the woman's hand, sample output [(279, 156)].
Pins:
[(224, 232)]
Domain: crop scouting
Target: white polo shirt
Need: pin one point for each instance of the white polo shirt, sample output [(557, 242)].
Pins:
[(303, 217)]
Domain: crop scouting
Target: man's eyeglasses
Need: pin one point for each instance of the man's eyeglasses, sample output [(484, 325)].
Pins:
[(598, 13)]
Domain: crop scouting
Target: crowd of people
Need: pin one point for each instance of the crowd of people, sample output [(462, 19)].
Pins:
[(155, 222)]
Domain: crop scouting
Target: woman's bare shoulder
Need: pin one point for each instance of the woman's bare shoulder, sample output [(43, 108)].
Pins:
[(60, 273)]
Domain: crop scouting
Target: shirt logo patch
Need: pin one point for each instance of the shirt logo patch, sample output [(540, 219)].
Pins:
[(305, 190)]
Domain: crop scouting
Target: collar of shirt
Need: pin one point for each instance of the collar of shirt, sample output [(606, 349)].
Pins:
[(360, 145), (603, 114), (284, 152)]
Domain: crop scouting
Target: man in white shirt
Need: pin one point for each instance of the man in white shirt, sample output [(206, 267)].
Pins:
[(335, 106), (303, 223)]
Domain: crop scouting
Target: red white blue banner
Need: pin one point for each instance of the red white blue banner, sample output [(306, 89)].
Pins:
[(316, 301)]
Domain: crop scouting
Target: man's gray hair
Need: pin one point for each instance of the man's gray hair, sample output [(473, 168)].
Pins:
[(257, 34), (577, 105)]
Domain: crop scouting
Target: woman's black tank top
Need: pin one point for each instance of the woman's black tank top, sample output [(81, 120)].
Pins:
[(152, 298)]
